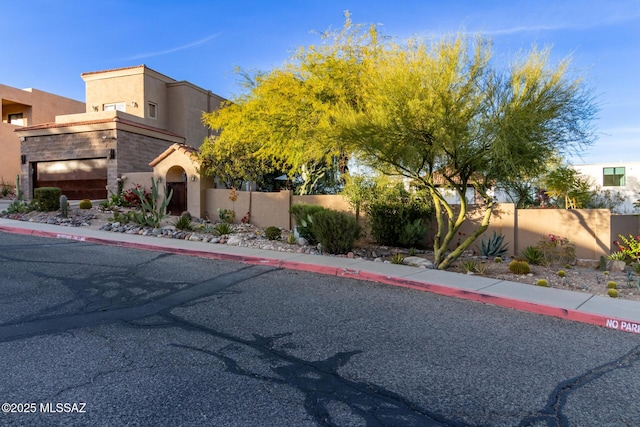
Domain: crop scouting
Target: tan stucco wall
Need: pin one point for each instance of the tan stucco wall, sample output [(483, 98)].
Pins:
[(37, 107), (166, 172)]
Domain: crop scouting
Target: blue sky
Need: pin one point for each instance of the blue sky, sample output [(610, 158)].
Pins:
[(48, 44)]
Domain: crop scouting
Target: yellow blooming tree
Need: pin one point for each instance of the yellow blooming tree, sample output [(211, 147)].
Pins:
[(441, 114)]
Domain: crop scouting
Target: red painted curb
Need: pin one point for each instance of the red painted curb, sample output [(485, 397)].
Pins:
[(470, 295)]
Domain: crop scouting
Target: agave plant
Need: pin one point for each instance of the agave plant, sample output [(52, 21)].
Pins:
[(493, 247)]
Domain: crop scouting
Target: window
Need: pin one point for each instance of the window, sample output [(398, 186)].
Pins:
[(15, 119), (153, 110), (613, 177), (120, 106)]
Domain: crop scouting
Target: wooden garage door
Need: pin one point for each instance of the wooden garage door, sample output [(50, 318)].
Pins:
[(78, 179)]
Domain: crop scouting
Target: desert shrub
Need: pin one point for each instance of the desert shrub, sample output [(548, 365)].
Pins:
[(469, 266), (223, 228), (227, 215), (397, 217), (613, 293), (272, 233), (291, 239), (336, 231), (85, 204), (303, 215), (542, 282), (557, 249), (207, 229), (494, 246), (412, 233), (183, 223), (532, 255), (397, 258), (482, 268), (519, 267), (47, 198), (20, 206)]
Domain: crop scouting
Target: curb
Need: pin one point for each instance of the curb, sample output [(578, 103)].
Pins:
[(615, 323)]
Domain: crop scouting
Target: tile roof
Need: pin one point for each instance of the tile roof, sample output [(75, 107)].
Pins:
[(185, 149)]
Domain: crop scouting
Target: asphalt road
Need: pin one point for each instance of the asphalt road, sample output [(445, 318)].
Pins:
[(104, 336)]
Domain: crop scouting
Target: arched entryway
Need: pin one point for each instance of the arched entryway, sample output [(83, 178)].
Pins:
[(177, 181)]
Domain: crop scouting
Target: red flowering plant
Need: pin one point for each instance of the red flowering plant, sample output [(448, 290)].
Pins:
[(630, 247), (130, 198), (557, 249)]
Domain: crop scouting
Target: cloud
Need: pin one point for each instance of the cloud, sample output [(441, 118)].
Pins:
[(175, 49)]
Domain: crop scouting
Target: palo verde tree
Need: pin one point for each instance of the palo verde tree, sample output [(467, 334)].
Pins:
[(445, 117), (439, 114), (287, 117)]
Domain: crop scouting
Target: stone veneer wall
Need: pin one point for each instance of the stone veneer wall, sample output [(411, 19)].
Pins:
[(133, 152)]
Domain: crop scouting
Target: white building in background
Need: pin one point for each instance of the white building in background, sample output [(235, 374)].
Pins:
[(621, 178)]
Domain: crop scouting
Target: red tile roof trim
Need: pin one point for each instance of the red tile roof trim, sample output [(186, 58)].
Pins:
[(185, 149)]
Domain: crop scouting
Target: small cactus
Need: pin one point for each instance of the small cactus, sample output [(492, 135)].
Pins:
[(562, 273), (498, 260), (613, 293), (85, 204), (519, 267), (543, 283), (64, 206), (612, 285)]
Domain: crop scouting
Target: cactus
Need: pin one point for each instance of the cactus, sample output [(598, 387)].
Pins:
[(151, 213), (603, 263), (612, 285), (613, 293), (542, 282), (64, 206), (519, 267), (85, 204), (562, 273)]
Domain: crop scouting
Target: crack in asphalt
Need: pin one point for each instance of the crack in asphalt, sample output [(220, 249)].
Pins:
[(320, 382), (28, 326), (552, 413)]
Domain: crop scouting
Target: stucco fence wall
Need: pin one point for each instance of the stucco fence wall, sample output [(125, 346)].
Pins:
[(592, 230)]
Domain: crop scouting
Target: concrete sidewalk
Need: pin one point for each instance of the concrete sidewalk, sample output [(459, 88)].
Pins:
[(583, 307)]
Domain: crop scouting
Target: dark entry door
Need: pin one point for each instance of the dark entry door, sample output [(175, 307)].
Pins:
[(178, 202)]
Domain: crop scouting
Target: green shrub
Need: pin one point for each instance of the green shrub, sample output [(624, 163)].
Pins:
[(469, 266), (303, 215), (85, 204), (532, 255), (223, 228), (412, 233), (291, 239), (272, 233), (613, 293), (183, 223), (21, 206), (397, 258), (494, 246), (519, 267), (542, 282), (47, 198), (336, 231)]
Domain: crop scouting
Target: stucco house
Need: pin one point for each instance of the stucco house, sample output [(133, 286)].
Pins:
[(25, 107), (132, 116), (622, 178)]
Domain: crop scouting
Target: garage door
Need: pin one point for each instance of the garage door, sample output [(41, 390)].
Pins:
[(78, 179)]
